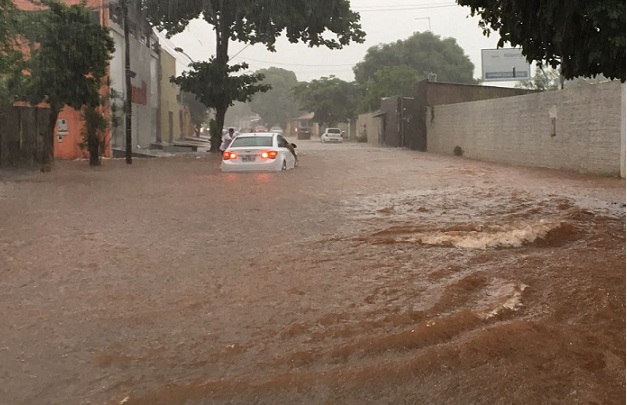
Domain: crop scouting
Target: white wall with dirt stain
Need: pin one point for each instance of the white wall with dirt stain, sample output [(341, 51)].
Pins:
[(580, 129)]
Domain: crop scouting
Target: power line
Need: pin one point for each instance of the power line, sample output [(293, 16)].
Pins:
[(296, 64), (406, 8)]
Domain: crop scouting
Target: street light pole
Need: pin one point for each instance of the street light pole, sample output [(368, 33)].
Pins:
[(425, 18), (180, 50), (128, 86)]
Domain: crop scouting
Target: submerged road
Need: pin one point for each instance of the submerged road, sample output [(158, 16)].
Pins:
[(367, 275)]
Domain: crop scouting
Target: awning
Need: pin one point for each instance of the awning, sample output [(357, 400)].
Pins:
[(378, 114)]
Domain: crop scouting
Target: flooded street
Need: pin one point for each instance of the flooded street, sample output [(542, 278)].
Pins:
[(367, 275)]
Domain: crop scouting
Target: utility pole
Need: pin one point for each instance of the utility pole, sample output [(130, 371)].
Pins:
[(128, 87)]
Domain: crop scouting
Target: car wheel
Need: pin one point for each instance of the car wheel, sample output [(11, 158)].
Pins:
[(284, 167)]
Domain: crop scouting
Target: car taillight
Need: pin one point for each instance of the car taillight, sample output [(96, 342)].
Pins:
[(271, 154), (229, 155)]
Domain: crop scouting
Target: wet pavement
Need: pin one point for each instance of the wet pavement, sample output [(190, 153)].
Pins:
[(367, 275)]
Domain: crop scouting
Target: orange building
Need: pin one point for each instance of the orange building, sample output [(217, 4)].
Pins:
[(144, 92), (69, 124)]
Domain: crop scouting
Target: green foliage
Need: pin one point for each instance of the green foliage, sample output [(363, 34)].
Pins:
[(422, 52), (329, 23), (7, 27), (387, 82), (545, 78), (10, 57), (69, 56), (215, 85), (71, 59), (583, 37), (95, 125), (276, 106), (332, 100), (93, 132), (197, 110)]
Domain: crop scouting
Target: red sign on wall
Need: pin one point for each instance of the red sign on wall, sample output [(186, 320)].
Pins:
[(140, 95)]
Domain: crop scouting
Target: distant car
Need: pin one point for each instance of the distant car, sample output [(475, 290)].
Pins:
[(277, 130), (332, 135), (258, 152), (303, 133), (260, 128)]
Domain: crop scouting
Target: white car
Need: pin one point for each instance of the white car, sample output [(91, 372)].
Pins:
[(331, 135), (277, 130), (265, 151)]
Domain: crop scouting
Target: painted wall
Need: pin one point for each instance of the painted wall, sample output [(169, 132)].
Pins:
[(579, 129), (429, 93), (369, 126), (145, 92), (170, 108)]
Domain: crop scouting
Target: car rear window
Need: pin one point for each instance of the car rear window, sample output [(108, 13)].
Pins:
[(246, 141), (333, 131)]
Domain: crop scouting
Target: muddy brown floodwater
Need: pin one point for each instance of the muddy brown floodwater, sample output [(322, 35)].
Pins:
[(367, 275)]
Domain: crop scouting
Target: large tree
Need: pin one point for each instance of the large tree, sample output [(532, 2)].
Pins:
[(329, 23), (277, 105), (582, 37), (68, 60), (424, 52), (331, 99), (387, 82)]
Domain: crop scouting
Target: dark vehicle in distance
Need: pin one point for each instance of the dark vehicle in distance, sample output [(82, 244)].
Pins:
[(303, 133)]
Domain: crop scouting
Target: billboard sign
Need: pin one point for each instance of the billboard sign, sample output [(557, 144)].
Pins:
[(504, 64)]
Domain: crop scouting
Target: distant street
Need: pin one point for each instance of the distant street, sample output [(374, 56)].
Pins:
[(366, 276)]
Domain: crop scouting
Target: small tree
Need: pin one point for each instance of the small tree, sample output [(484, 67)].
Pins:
[(68, 64), (96, 124), (217, 87)]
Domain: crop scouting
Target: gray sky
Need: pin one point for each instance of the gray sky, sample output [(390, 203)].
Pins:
[(383, 22)]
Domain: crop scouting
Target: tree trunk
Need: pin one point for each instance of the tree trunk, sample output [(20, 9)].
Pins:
[(93, 146), (48, 142), (216, 138)]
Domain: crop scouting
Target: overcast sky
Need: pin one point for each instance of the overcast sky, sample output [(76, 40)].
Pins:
[(383, 23)]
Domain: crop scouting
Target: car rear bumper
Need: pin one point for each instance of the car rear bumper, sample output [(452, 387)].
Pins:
[(266, 165)]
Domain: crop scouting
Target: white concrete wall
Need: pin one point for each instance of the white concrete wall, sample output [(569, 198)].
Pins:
[(370, 125), (589, 126), (144, 62), (622, 131)]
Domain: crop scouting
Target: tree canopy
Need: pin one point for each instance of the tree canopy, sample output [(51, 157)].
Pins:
[(582, 37), (216, 86), (387, 82), (332, 24), (331, 99), (197, 110), (9, 55), (424, 52), (277, 105)]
